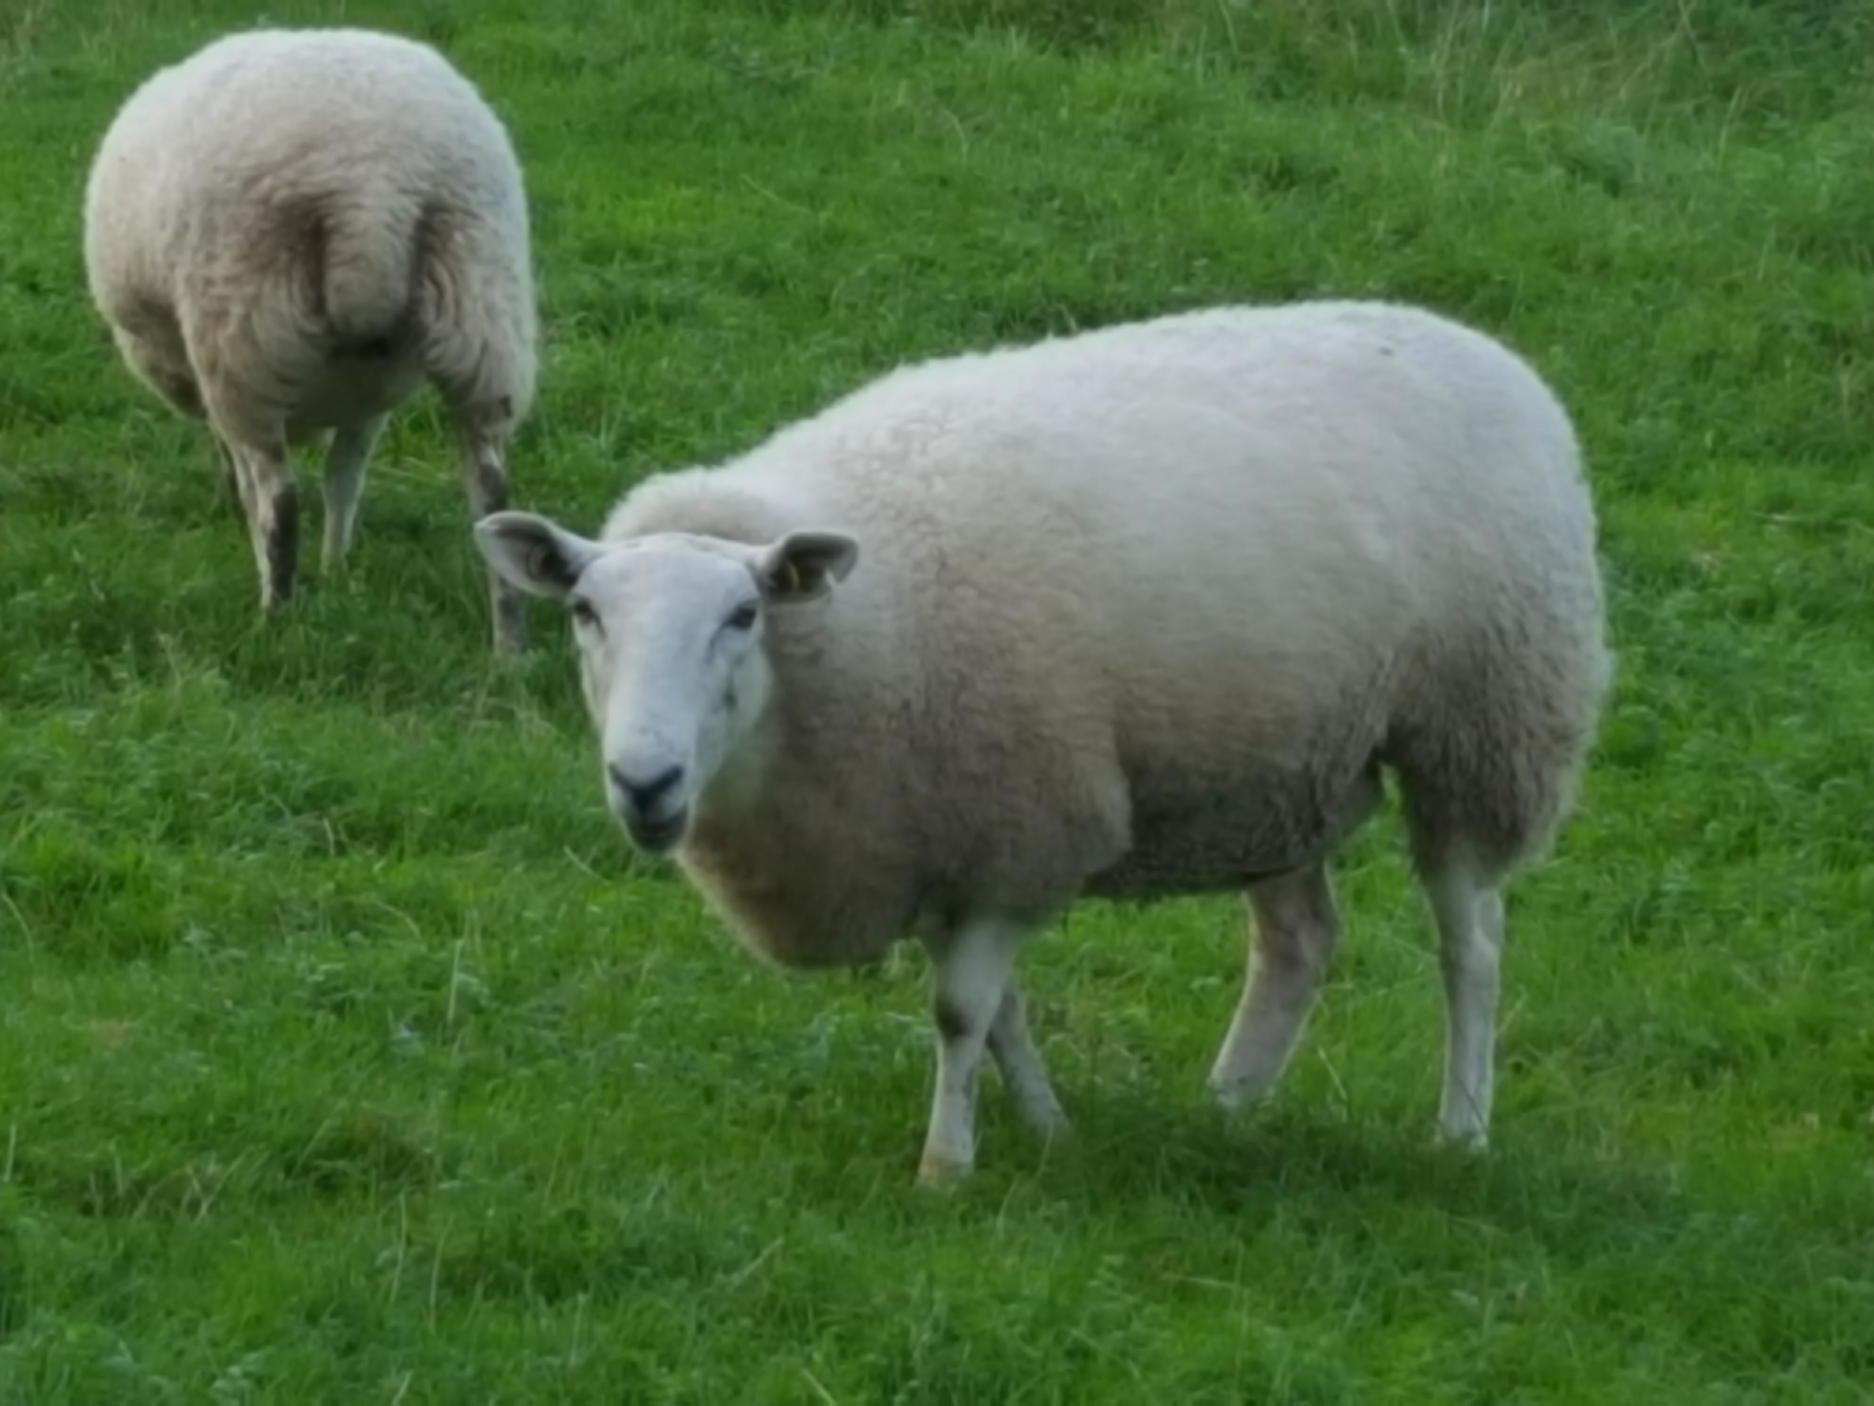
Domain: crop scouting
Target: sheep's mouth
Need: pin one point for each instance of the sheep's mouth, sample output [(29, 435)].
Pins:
[(657, 836)]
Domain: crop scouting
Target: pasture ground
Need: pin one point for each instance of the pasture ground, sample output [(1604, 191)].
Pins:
[(346, 1056)]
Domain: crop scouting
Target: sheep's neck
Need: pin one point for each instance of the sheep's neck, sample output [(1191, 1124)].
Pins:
[(786, 857)]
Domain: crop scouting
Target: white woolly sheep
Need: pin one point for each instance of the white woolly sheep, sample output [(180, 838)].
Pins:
[(1144, 611), (288, 233)]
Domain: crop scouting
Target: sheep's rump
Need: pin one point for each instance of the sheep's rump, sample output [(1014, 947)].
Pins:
[(1189, 584), (318, 217)]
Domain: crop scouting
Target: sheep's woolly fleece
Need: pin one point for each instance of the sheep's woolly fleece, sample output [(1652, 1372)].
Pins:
[(1146, 610), (286, 195)]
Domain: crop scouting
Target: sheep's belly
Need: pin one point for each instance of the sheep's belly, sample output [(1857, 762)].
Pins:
[(354, 387), (1229, 839)]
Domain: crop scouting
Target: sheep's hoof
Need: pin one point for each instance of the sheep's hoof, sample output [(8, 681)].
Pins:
[(936, 1172), (1050, 1126), (1470, 1140), (1237, 1095)]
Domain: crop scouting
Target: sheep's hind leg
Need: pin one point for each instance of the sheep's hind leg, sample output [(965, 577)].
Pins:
[(344, 482), (485, 477), (1296, 927), (973, 969), (1469, 913), (231, 479), (272, 504), (1020, 1062)]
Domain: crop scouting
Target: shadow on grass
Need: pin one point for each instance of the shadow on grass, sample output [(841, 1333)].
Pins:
[(1355, 1179)]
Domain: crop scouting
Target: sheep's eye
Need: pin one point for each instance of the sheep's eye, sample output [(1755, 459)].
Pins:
[(583, 613), (742, 617)]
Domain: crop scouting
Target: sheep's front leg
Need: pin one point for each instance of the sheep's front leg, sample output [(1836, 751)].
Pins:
[(972, 974), (344, 481), (1295, 931)]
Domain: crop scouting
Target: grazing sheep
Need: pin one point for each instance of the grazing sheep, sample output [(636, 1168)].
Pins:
[(288, 233), (1145, 611)]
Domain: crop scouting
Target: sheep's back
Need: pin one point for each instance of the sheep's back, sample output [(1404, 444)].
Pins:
[(211, 158), (1184, 578)]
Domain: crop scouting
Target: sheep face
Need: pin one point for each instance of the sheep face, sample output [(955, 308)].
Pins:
[(671, 632)]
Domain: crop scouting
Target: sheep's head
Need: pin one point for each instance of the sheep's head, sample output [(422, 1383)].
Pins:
[(670, 632)]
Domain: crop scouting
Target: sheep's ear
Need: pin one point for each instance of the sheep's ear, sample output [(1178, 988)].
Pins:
[(803, 566), (532, 553)]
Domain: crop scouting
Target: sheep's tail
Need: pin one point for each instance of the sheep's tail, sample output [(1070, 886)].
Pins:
[(370, 255), (452, 285)]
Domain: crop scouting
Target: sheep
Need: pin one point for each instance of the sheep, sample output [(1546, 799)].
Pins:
[(1149, 610), (288, 233)]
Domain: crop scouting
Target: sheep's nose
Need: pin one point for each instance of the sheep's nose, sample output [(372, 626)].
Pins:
[(645, 794)]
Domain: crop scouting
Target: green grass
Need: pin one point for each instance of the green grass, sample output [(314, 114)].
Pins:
[(346, 1056)]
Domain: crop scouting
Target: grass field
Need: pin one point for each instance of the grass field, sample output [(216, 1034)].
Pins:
[(345, 1055)]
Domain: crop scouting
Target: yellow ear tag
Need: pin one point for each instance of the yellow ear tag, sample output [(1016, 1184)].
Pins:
[(791, 581)]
